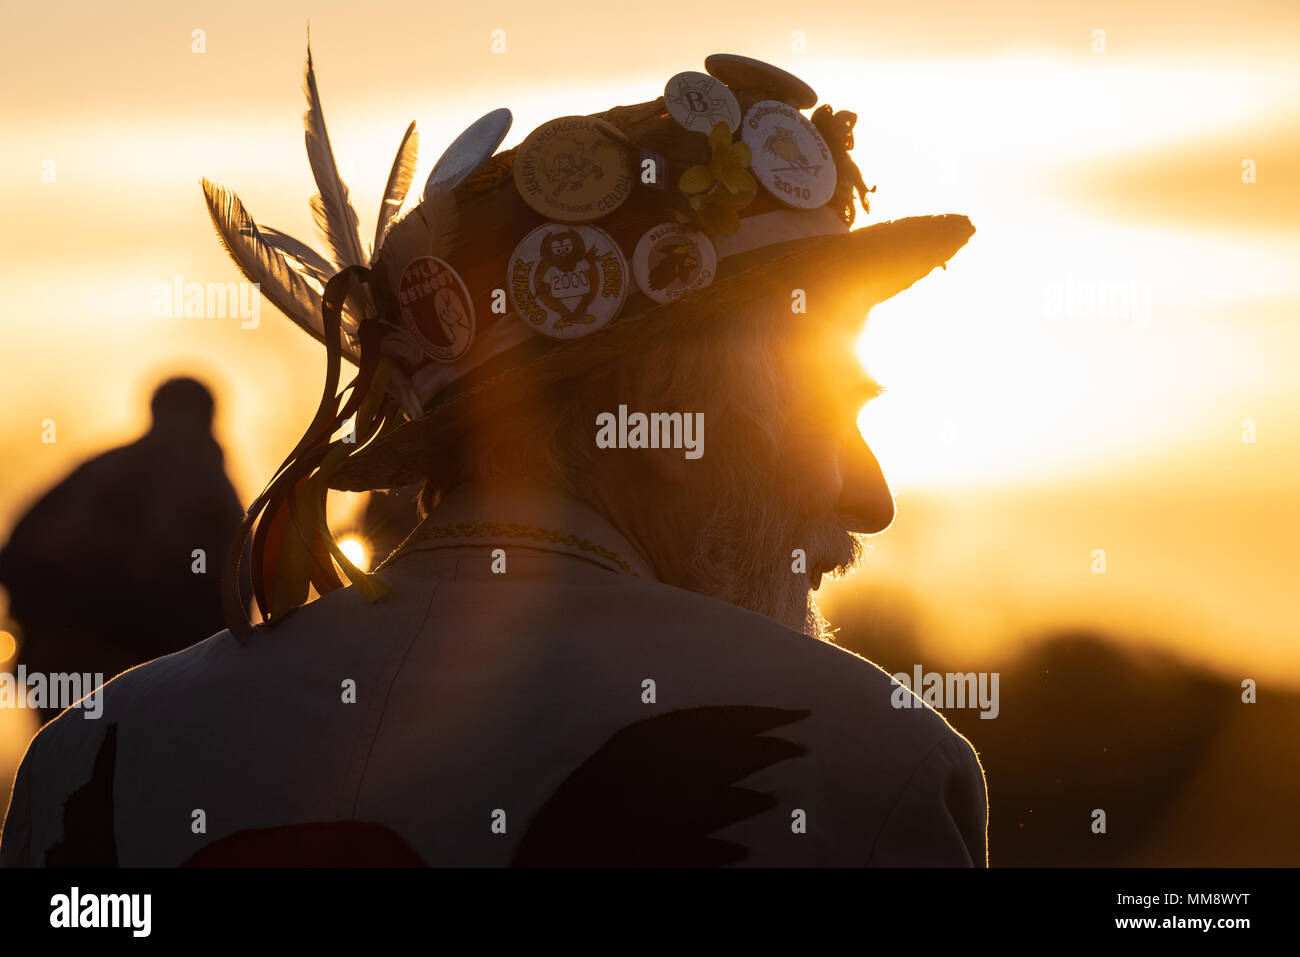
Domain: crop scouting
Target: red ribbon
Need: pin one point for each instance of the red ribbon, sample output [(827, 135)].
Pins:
[(292, 545)]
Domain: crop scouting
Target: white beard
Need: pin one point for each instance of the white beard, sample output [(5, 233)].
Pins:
[(742, 555)]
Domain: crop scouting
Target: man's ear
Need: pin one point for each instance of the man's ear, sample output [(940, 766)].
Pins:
[(668, 465)]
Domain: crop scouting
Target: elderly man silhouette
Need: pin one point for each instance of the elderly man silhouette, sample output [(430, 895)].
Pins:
[(587, 653), (103, 571)]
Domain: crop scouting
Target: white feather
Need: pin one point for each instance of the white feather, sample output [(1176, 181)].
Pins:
[(332, 210), (306, 262), (264, 264), (399, 182), (300, 254)]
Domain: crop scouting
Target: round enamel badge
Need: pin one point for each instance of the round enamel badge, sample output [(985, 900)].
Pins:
[(567, 281), (790, 158), (436, 308), (672, 260), (470, 150), (574, 169), (746, 73), (699, 102)]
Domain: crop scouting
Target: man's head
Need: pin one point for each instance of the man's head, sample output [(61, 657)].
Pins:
[(761, 196), (778, 406), (182, 405)]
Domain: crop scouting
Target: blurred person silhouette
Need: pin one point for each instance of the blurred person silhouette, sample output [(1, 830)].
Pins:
[(103, 572)]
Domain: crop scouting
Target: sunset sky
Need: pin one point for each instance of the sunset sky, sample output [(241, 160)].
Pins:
[(1022, 428)]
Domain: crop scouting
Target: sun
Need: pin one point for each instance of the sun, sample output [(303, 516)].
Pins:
[(355, 550)]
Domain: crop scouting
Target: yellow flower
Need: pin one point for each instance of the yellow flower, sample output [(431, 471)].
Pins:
[(729, 166), (720, 189)]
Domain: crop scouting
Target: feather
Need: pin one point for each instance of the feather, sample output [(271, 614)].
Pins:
[(306, 262), (332, 210), (427, 230), (300, 254), (399, 182), (263, 264)]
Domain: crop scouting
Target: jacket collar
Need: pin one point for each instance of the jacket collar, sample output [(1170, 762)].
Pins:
[(503, 515)]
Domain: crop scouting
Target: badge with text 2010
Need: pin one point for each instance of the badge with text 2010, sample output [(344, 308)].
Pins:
[(436, 308), (790, 158), (567, 281)]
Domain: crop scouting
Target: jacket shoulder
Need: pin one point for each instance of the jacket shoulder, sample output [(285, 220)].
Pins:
[(920, 781), (755, 643), (221, 674)]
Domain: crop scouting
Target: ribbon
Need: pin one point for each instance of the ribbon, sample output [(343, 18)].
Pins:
[(292, 547)]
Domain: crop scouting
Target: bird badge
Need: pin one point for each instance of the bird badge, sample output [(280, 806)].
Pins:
[(782, 144), (677, 266)]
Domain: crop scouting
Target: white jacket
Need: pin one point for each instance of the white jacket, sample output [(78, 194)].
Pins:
[(572, 710)]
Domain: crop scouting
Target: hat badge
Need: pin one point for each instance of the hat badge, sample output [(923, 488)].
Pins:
[(566, 280)]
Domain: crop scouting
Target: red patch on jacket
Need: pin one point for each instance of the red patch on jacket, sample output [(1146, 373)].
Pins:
[(316, 844)]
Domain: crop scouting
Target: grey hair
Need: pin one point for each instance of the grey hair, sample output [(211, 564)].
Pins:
[(741, 553), (737, 381)]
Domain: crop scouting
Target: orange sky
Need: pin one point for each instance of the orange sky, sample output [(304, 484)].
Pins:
[(1117, 172)]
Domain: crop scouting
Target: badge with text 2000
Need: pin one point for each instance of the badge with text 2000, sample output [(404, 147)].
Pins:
[(436, 308), (790, 158), (567, 281)]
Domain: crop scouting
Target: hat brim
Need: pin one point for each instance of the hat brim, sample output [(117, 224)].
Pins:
[(860, 268)]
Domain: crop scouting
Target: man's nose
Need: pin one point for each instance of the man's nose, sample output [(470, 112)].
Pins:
[(865, 497)]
